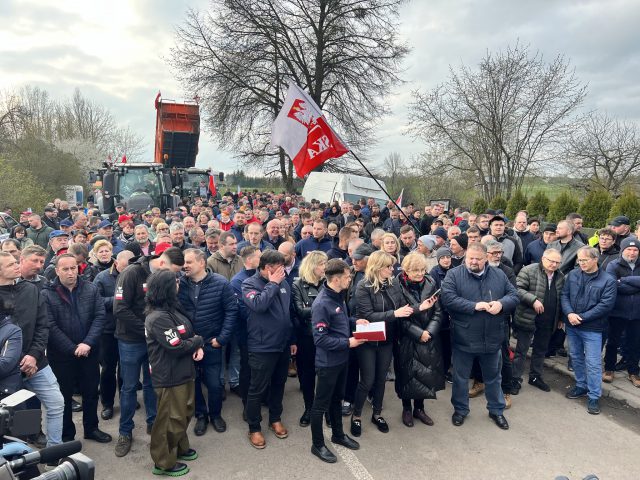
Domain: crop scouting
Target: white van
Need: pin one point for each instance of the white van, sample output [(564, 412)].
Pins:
[(338, 187)]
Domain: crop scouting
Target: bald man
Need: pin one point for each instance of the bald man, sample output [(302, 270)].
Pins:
[(291, 263)]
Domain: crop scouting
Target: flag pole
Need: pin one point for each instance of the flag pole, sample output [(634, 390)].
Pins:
[(411, 222)]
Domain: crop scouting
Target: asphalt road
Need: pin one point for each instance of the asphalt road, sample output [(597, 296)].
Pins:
[(549, 436)]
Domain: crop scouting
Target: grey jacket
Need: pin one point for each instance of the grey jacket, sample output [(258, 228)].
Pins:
[(569, 253)]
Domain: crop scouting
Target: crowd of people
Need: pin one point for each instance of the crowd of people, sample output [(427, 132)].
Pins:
[(249, 290)]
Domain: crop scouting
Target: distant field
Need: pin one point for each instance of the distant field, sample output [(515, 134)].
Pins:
[(550, 187)]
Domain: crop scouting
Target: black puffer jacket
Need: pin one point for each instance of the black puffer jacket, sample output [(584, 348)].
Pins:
[(380, 306), (106, 283), (170, 342), (419, 368), (303, 294)]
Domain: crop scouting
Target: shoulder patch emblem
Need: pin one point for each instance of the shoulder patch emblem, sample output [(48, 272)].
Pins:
[(181, 329), (119, 294), (172, 337), (321, 327), (338, 310), (251, 295), (144, 287)]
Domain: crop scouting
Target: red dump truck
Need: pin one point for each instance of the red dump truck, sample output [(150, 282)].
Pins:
[(177, 133)]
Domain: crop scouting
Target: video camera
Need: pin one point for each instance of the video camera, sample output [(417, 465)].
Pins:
[(17, 461)]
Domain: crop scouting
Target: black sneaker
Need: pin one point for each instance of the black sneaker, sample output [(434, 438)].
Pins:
[(76, 406), (576, 392), (347, 409), (200, 427), (305, 419), (538, 382), (356, 427), (448, 377)]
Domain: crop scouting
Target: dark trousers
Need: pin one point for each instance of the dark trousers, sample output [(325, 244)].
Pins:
[(169, 434), (374, 359), (208, 373), (109, 376), (506, 370), (418, 404), (631, 328), (445, 342), (353, 376), (328, 398), (245, 372), (556, 341), (539, 340), (305, 360), (84, 371), (490, 365), (268, 371)]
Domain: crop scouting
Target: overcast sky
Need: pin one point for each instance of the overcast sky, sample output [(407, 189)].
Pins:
[(115, 51)]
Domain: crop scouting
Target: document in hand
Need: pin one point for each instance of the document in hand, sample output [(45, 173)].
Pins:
[(372, 331)]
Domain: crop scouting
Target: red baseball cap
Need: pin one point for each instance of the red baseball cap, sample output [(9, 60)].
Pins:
[(160, 249)]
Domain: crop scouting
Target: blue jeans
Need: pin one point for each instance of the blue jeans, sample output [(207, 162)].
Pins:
[(585, 352), (133, 357), (45, 385), (490, 365), (208, 372), (234, 363)]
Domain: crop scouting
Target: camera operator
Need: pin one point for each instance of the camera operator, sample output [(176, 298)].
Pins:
[(30, 315)]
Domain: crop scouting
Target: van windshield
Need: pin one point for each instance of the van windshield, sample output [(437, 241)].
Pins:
[(351, 198)]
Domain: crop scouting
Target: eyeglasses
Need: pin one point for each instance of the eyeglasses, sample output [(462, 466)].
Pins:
[(555, 262), (585, 260), (494, 253)]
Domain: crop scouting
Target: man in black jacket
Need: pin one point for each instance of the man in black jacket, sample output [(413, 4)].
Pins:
[(76, 317), (128, 308), (267, 296), (30, 314), (106, 283), (331, 328)]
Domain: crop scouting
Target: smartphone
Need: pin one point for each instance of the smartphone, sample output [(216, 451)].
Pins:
[(437, 292)]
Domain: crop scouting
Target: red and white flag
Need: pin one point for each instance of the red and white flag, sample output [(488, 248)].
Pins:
[(302, 131), (212, 186), (124, 158), (399, 200)]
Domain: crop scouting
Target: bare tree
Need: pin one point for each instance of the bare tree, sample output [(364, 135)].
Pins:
[(502, 121), (395, 171), (238, 57), (604, 152)]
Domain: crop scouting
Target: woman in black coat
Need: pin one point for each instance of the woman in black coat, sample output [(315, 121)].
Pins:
[(379, 298), (418, 361), (303, 292)]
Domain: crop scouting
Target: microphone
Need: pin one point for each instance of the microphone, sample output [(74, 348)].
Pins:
[(47, 455)]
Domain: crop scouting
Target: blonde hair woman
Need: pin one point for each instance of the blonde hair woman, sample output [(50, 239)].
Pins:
[(379, 298), (304, 291), (390, 244), (418, 359), (101, 255)]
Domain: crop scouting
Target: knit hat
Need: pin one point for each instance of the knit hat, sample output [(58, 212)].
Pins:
[(443, 252), (462, 240), (428, 241), (629, 242), (441, 232)]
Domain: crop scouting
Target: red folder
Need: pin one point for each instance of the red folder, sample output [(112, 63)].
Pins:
[(374, 332)]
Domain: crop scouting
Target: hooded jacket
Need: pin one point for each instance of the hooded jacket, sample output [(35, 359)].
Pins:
[(331, 328), (628, 284), (10, 355), (129, 303)]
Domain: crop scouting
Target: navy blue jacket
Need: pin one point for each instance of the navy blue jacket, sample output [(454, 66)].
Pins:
[(590, 295), (106, 283), (310, 244), (269, 326), (477, 331), (534, 251), (74, 317), (236, 285), (214, 312), (10, 355), (331, 328), (628, 283)]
